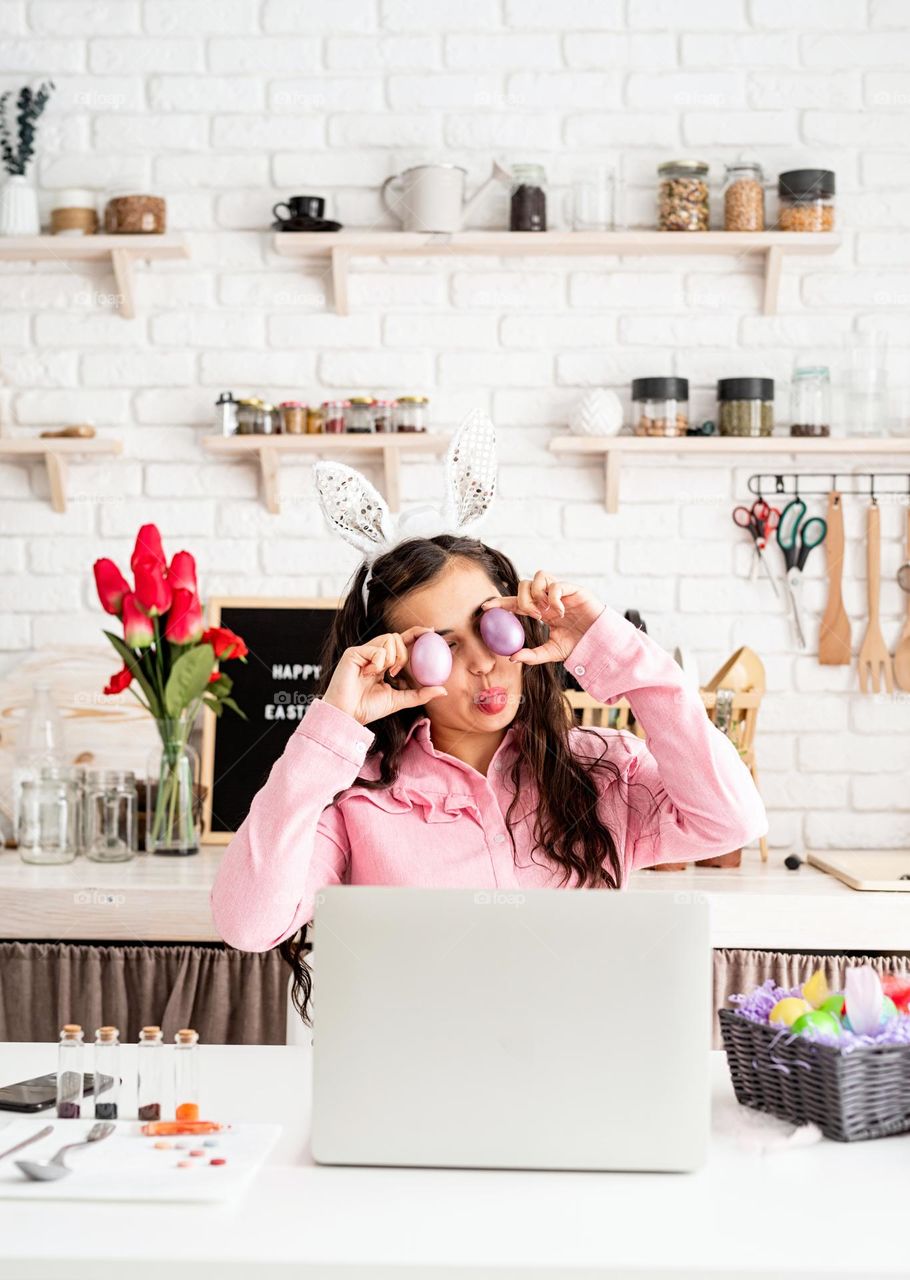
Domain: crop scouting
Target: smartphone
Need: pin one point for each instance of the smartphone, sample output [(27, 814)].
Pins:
[(37, 1094)]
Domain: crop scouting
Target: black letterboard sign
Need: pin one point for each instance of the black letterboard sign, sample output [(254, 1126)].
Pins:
[(274, 688)]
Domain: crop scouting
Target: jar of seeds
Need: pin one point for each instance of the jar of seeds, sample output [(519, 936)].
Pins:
[(682, 196), (660, 406), (745, 406), (806, 200), (744, 197)]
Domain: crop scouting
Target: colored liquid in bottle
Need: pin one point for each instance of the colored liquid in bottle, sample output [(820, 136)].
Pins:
[(105, 1111), (151, 1111), (188, 1111)]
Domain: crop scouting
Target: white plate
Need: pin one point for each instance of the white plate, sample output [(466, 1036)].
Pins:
[(127, 1165)]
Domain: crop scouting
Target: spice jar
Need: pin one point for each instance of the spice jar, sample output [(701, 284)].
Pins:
[(226, 413), (293, 417), (411, 413), (806, 200), (315, 420), (660, 406), (744, 197), (247, 415), (745, 406), (811, 401), (74, 213), (268, 423), (682, 196), (382, 415), (528, 199), (333, 413), (358, 414)]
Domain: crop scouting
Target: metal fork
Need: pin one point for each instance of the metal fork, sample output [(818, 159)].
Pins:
[(51, 1170)]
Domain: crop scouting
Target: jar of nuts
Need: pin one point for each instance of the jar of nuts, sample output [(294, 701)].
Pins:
[(660, 406), (806, 200), (682, 196), (744, 197)]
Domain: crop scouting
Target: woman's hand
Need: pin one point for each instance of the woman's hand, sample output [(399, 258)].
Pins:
[(567, 610), (358, 685)]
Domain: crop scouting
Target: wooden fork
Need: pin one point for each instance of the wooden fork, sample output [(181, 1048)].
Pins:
[(874, 658)]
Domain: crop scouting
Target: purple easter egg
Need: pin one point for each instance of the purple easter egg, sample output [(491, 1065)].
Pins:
[(502, 632), (431, 659)]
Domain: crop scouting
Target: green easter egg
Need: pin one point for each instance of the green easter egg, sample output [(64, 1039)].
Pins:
[(818, 1020), (834, 1004)]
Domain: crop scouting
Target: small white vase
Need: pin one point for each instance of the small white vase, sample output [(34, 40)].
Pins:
[(19, 207)]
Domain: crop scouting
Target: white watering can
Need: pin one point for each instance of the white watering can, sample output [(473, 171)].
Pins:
[(431, 197)]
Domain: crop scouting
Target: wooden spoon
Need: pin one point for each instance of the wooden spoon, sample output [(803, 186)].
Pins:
[(834, 636), (874, 658), (902, 652)]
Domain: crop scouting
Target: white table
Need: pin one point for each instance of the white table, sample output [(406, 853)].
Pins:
[(151, 899), (806, 1212)]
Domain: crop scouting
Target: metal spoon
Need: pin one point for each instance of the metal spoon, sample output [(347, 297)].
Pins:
[(42, 1133), (51, 1170)]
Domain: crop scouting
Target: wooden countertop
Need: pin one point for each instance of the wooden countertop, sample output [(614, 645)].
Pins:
[(158, 899)]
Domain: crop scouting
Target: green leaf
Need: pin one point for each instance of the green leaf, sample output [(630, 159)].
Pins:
[(214, 704), (133, 663), (188, 678), (229, 702)]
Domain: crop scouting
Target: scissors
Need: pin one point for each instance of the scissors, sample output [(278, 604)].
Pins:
[(761, 521), (796, 537)]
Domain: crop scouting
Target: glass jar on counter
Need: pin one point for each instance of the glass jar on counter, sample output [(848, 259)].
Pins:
[(682, 196), (269, 419), (806, 200), (660, 406), (745, 406), (333, 416), (112, 815), (358, 415), (411, 413), (293, 417), (315, 420), (810, 412), (528, 198), (744, 197), (382, 415), (248, 413), (48, 832)]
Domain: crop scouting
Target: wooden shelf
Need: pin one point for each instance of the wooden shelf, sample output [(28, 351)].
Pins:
[(612, 448), (56, 453), (341, 246), (268, 451), (122, 251)]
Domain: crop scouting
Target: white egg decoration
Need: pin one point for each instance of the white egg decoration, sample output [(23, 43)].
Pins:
[(431, 659)]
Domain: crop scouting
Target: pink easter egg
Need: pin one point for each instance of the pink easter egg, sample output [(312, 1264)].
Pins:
[(502, 632), (431, 659)]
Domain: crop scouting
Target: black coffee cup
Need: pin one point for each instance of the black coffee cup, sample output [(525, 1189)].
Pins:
[(300, 207)]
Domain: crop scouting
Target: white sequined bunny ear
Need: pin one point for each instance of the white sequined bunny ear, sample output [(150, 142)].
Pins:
[(354, 508), (470, 484)]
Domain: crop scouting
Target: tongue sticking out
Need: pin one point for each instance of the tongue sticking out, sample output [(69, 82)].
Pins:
[(494, 700)]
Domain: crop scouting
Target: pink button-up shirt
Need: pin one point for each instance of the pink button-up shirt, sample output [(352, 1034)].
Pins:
[(442, 823)]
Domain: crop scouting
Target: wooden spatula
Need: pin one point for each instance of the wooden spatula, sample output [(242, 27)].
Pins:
[(834, 636), (874, 658), (902, 652)]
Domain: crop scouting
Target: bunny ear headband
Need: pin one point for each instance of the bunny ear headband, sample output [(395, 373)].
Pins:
[(361, 515)]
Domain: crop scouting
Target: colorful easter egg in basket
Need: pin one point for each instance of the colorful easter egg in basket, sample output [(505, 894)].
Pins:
[(431, 659), (502, 632), (787, 1010), (817, 1020)]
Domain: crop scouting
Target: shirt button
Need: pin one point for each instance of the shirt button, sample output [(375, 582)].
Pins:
[(579, 670), (497, 765), (498, 839), (359, 748)]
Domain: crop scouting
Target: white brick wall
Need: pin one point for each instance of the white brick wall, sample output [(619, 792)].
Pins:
[(226, 108)]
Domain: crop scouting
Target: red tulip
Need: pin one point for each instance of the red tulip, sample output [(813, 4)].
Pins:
[(153, 591), (184, 620), (225, 643), (148, 547), (112, 586), (138, 631), (182, 572), (119, 681)]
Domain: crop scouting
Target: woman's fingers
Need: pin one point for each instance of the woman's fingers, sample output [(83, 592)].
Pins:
[(417, 697), (549, 651)]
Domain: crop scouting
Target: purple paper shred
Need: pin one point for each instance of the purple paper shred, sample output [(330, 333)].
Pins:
[(757, 1005)]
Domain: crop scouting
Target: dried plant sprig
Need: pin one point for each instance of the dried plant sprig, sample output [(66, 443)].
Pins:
[(17, 134)]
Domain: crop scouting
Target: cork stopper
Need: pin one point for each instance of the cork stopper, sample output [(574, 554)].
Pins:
[(72, 1028), (106, 1034), (151, 1031), (186, 1036)]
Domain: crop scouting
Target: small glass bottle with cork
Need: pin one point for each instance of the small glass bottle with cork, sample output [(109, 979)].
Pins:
[(70, 1053), (186, 1074), (107, 1073), (150, 1084)]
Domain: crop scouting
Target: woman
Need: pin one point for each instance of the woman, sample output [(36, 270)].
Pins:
[(486, 782)]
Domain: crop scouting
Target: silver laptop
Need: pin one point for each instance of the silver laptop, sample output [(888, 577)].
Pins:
[(543, 1029)]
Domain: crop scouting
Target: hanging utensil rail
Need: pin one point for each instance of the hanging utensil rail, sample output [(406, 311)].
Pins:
[(867, 484)]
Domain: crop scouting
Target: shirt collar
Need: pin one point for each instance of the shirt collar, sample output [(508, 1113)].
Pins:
[(420, 732)]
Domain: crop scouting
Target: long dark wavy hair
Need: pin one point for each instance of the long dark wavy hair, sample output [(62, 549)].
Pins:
[(568, 832)]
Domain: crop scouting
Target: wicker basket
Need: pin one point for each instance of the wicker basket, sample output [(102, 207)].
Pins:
[(862, 1094)]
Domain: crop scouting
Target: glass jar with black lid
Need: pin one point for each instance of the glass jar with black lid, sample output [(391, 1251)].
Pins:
[(528, 200), (660, 406), (806, 200), (745, 406)]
